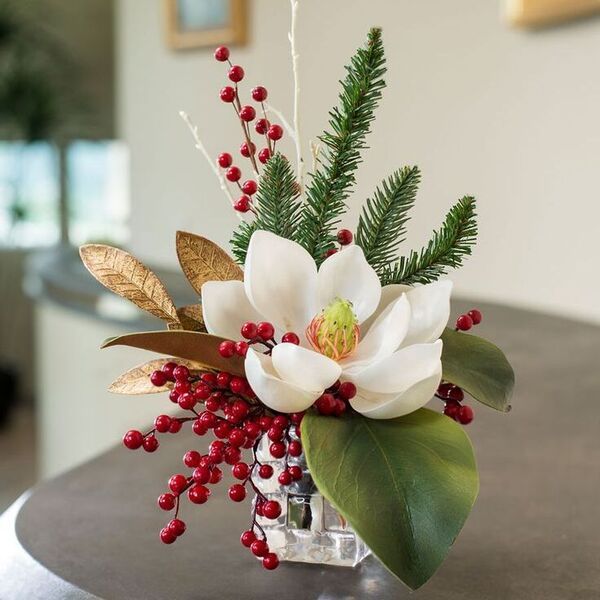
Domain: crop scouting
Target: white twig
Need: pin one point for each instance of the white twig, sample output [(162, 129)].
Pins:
[(200, 146), (315, 149), (284, 121), (297, 139)]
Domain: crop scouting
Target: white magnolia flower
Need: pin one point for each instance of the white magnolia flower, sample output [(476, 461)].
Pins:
[(385, 341)]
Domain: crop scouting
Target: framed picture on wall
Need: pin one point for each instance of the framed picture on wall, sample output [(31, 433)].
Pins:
[(200, 23), (541, 13)]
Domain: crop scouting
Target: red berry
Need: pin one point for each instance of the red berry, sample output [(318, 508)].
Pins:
[(455, 393), (237, 386), (209, 378), (270, 561), (247, 113), (451, 409), (325, 404), (296, 418), (225, 160), (240, 409), (259, 93), (233, 174), (262, 126), (271, 509), (347, 390), (162, 423), (133, 439), (151, 444), (295, 448), (247, 538), (222, 53), (265, 422), (247, 149), (344, 237), (216, 475), (237, 438), (181, 373), (223, 379), (265, 471), (168, 369), (232, 455), (275, 132), (240, 470), (198, 494), (158, 378), (241, 348), (475, 315), (275, 433), (277, 449), (249, 187), (264, 155), (242, 204), (330, 252), (191, 459), (213, 404), (236, 73), (199, 428), (465, 415), (265, 331), (201, 475), (290, 338), (248, 330), (464, 323), (444, 389), (175, 426), (176, 527), (166, 501), (253, 430), (259, 548), (281, 421), (201, 391), (177, 483), (296, 472), (284, 478), (227, 349), (186, 401), (227, 94), (340, 407), (237, 492), (166, 536)]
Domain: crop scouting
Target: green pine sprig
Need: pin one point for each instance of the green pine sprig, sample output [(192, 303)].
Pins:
[(276, 206), (448, 247), (350, 122), (382, 223)]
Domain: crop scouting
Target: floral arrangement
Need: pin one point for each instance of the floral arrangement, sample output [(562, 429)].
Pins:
[(316, 341)]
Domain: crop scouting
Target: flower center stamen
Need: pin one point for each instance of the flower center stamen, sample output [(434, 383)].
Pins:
[(335, 332)]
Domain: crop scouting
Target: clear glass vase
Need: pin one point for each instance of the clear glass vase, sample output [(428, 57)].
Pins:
[(309, 529)]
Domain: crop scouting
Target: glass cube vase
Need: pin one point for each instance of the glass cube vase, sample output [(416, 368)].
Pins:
[(309, 529)]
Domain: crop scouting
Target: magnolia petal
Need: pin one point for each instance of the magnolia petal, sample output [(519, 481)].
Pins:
[(305, 368), (390, 406), (430, 311), (275, 393), (225, 307), (389, 294), (280, 279), (348, 275), (384, 336)]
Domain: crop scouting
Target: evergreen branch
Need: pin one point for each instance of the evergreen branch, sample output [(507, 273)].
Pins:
[(382, 223), (350, 122), (276, 206), (448, 247)]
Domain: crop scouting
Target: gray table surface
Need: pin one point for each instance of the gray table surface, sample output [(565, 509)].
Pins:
[(534, 532)]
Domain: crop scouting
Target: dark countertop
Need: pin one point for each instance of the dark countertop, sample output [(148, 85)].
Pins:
[(534, 533)]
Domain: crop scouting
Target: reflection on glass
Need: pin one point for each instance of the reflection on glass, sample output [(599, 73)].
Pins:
[(202, 14)]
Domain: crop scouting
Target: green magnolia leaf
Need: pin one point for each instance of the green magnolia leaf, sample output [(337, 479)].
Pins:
[(479, 367), (405, 485)]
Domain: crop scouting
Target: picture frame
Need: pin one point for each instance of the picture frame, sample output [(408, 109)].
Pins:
[(543, 13), (203, 23)]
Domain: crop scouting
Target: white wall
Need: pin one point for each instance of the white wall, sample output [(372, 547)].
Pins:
[(509, 116)]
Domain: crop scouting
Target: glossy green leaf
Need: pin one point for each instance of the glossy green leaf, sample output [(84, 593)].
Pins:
[(405, 485), (479, 367)]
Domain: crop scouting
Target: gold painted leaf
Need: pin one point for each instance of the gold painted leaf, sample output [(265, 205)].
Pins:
[(137, 380), (201, 348), (126, 276), (191, 318), (202, 260)]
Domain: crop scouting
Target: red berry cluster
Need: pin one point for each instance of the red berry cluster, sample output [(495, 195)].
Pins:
[(254, 333), (466, 321), (246, 114), (344, 238), (453, 396), (335, 399)]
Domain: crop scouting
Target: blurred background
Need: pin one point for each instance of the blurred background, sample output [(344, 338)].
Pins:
[(493, 98)]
